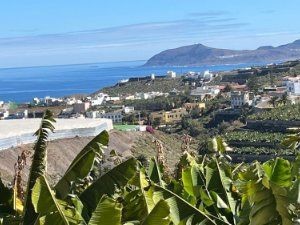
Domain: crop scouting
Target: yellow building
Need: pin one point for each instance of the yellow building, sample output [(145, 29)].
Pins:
[(195, 105), (168, 117)]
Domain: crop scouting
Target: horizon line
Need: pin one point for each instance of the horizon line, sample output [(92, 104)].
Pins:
[(71, 64)]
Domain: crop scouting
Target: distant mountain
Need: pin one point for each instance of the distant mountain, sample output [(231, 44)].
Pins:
[(199, 54)]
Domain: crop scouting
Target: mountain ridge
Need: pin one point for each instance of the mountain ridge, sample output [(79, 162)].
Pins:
[(199, 54)]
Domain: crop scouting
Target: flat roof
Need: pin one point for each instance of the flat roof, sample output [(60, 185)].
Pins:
[(15, 127)]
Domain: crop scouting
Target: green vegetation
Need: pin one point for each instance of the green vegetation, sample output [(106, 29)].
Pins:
[(254, 136), (205, 189), (285, 112), (125, 127), (250, 150), (162, 85), (257, 143)]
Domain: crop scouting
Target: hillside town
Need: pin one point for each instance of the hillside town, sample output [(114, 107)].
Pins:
[(199, 88)]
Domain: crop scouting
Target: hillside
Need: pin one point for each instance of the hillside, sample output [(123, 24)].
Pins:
[(132, 87), (62, 152), (199, 54)]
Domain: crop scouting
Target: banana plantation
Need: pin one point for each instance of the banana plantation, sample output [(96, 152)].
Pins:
[(204, 190)]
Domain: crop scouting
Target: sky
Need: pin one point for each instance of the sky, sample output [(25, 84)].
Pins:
[(57, 32)]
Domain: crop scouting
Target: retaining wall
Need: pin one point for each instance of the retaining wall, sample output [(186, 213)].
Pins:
[(27, 138)]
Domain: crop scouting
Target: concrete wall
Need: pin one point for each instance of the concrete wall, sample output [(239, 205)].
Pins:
[(59, 134)]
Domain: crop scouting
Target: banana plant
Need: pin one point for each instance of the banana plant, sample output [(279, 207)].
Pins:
[(38, 166)]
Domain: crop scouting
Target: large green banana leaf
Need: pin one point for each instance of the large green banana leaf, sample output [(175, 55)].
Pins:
[(155, 172), (266, 190), (159, 214), (51, 210), (118, 177), (180, 210), (107, 212), (82, 164), (46, 205), (219, 183)]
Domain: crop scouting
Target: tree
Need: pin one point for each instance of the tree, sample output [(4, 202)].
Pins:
[(284, 98), (227, 88), (131, 118), (252, 83), (272, 79), (156, 122), (195, 113), (273, 101)]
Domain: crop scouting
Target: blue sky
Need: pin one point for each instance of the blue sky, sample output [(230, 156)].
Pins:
[(41, 32)]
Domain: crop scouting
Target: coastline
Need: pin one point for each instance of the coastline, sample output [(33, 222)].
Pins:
[(23, 84)]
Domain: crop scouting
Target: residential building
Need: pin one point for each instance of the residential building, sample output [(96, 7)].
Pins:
[(206, 92), (152, 76), (293, 87), (128, 109), (70, 101), (171, 74), (98, 99), (207, 76), (194, 105), (130, 97), (81, 107), (239, 99), (36, 101), (191, 74), (169, 117), (94, 114), (113, 99), (115, 116), (49, 101), (175, 115)]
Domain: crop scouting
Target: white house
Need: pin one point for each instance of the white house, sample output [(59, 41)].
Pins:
[(114, 99), (239, 99), (207, 75), (70, 101), (52, 101), (171, 74), (128, 109), (130, 97), (36, 101), (205, 91), (98, 99), (293, 87)]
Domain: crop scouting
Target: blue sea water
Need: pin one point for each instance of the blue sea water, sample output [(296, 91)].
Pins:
[(23, 84)]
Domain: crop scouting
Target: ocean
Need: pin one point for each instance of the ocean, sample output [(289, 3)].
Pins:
[(23, 84)]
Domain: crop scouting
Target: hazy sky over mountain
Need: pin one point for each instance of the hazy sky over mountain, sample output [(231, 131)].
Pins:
[(65, 32)]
